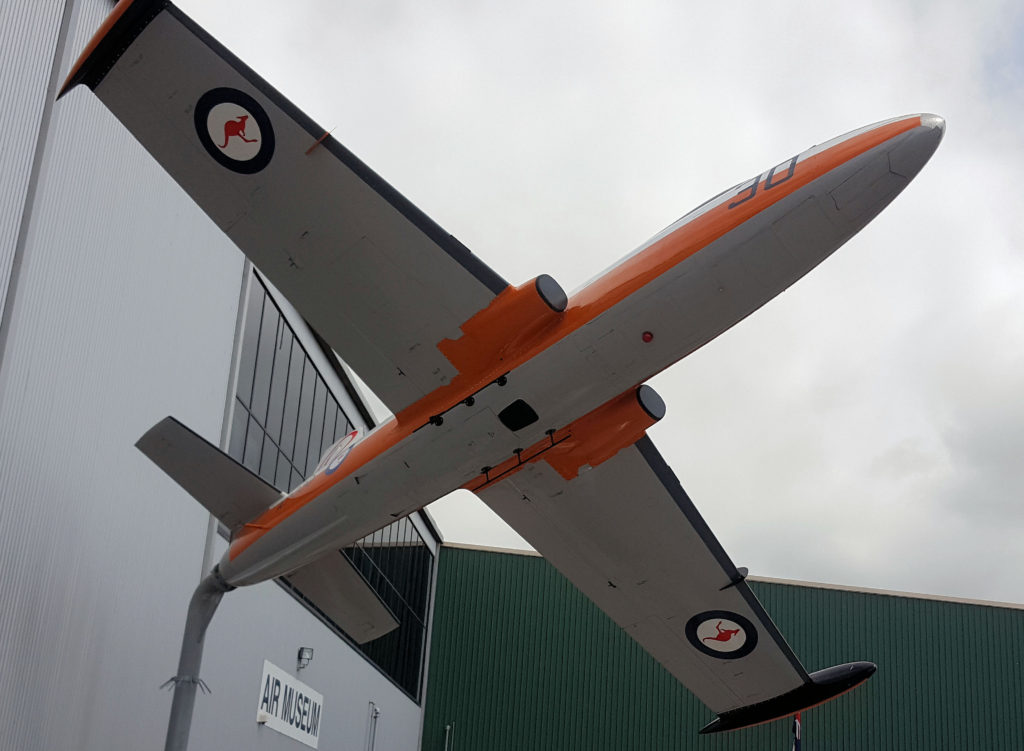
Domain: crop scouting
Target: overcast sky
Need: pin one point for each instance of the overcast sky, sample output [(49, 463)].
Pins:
[(864, 428)]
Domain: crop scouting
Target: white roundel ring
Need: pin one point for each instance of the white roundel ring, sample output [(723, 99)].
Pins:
[(340, 452), (722, 634), (235, 130)]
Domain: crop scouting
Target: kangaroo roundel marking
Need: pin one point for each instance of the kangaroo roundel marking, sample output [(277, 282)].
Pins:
[(722, 634), (235, 130), (224, 124)]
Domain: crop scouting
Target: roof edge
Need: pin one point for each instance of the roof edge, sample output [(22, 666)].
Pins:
[(789, 582), (888, 592), (491, 549)]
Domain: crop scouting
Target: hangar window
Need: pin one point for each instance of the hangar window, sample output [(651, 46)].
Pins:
[(284, 418)]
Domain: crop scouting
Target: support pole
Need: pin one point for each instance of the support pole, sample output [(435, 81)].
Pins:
[(201, 608)]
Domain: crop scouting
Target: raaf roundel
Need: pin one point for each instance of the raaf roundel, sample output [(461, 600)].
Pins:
[(529, 397)]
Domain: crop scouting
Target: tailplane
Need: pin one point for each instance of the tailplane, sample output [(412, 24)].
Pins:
[(338, 590), (233, 494), (228, 490)]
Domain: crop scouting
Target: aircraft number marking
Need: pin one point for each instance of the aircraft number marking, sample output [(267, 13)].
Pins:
[(770, 182)]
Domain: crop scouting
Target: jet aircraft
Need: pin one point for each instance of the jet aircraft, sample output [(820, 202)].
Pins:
[(533, 399)]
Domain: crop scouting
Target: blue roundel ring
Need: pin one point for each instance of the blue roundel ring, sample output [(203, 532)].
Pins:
[(335, 462), (340, 453), (225, 95), (749, 634)]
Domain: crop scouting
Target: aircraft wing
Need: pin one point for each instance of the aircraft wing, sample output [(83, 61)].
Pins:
[(627, 535), (377, 279)]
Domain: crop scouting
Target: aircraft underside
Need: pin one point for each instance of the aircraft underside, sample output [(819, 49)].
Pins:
[(675, 314), (533, 400)]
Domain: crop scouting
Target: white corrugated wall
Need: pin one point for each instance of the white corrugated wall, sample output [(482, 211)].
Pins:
[(108, 332), (124, 312), (29, 35)]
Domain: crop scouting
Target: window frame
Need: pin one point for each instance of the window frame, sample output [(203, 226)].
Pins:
[(313, 389)]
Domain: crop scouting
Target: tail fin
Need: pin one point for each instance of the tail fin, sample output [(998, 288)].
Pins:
[(228, 490)]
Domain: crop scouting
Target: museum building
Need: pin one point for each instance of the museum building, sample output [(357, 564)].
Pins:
[(122, 303), (520, 659)]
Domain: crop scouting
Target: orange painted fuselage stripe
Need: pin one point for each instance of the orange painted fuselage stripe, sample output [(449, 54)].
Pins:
[(477, 365)]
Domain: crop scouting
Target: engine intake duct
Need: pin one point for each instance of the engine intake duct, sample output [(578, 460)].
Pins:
[(587, 442), (510, 323)]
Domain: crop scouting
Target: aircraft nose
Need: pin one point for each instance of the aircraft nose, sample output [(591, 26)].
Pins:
[(871, 180), (910, 155), (934, 122)]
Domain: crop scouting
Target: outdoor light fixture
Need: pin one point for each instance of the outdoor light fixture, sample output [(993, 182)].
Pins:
[(305, 657)]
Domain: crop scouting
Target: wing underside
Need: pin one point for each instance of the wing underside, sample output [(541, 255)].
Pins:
[(378, 279), (627, 535)]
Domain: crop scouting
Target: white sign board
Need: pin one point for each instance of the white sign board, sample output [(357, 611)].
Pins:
[(289, 706)]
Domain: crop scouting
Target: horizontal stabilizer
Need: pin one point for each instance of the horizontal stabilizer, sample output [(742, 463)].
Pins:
[(228, 490), (821, 687), (340, 592)]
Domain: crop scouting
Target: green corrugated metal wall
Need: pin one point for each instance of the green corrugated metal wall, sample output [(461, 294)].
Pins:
[(521, 660)]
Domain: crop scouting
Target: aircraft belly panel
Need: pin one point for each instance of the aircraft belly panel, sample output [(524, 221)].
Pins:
[(429, 464)]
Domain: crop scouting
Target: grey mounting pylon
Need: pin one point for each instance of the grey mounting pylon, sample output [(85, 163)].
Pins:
[(201, 608)]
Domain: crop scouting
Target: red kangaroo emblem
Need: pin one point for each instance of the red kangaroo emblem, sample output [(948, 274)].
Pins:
[(236, 127), (724, 634)]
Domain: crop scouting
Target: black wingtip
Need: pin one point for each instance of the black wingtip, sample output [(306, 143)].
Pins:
[(125, 22), (823, 686)]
